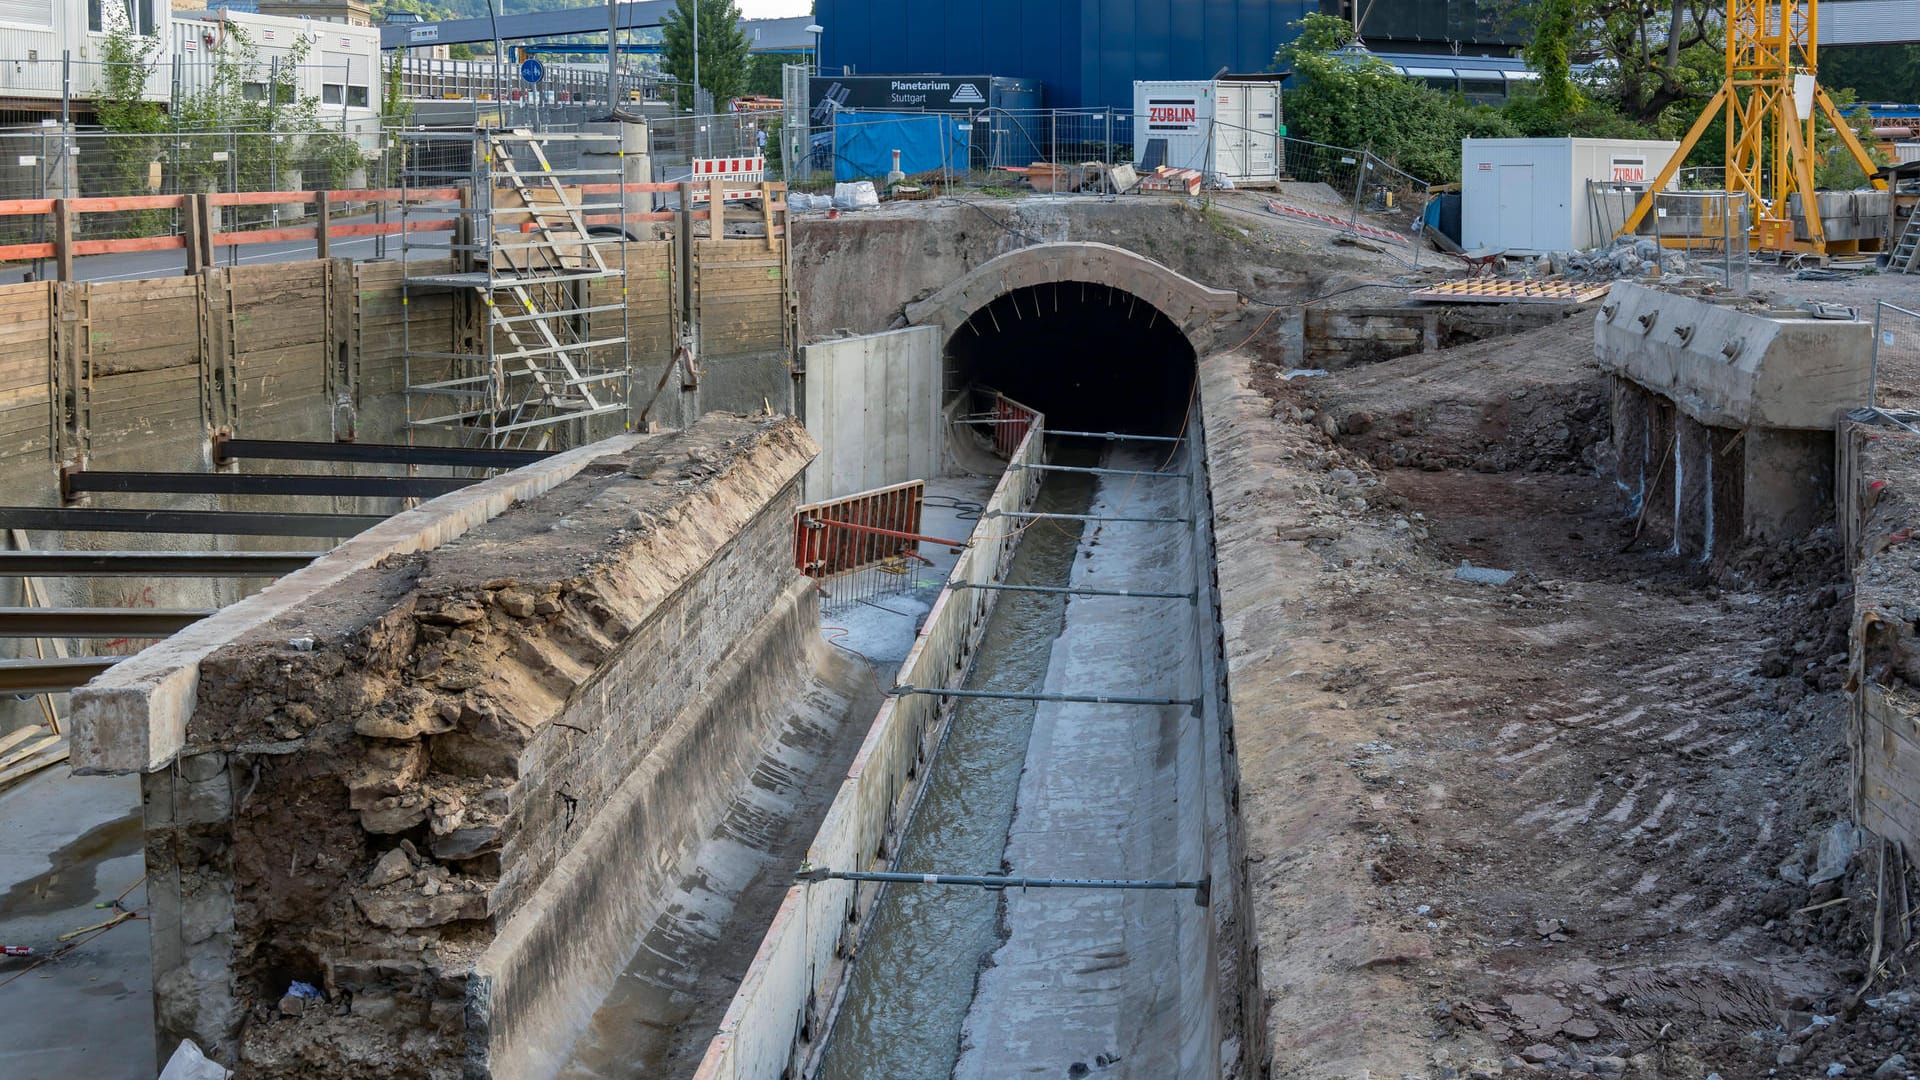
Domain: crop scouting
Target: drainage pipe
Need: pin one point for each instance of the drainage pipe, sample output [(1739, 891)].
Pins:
[(1088, 699), (1071, 590), (1201, 888)]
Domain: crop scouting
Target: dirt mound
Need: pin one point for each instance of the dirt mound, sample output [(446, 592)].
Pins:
[(1535, 401)]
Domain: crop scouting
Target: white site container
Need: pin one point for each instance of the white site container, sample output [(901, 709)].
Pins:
[(1529, 196), (1230, 128)]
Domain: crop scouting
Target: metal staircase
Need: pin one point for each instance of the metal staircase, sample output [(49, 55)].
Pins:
[(1906, 253), (537, 347)]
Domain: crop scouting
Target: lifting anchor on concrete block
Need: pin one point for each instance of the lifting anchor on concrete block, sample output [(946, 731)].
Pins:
[(1071, 590), (1000, 695), (1202, 889)]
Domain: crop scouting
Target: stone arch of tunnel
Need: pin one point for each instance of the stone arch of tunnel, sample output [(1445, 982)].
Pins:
[(1095, 336)]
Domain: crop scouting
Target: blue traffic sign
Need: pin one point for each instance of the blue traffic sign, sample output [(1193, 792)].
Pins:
[(532, 70)]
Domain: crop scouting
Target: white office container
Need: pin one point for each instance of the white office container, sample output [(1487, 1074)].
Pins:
[(1230, 128), (1530, 196)]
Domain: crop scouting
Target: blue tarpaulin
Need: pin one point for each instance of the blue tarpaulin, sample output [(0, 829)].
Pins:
[(864, 142)]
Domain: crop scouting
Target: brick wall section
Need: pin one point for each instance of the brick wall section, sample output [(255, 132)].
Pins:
[(379, 785)]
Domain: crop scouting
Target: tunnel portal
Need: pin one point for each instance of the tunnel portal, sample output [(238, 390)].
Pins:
[(1089, 356)]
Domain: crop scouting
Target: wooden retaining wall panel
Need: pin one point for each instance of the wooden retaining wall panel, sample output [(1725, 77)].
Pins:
[(384, 326), (739, 297), (150, 324), (26, 371), (280, 341), (651, 329), (146, 404)]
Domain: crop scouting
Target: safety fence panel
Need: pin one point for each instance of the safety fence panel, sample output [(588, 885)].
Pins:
[(1708, 229), (1896, 355), (858, 531), (780, 1016)]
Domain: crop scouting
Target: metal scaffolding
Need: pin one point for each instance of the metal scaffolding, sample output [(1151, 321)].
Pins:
[(540, 224)]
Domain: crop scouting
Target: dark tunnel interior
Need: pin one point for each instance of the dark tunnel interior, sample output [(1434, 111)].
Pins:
[(1091, 357)]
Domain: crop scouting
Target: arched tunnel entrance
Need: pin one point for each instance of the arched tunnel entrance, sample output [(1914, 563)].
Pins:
[(1089, 356)]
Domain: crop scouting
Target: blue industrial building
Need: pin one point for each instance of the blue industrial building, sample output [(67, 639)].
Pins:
[(1084, 52)]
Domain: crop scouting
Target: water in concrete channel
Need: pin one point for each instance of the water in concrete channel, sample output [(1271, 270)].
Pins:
[(909, 992), (963, 983)]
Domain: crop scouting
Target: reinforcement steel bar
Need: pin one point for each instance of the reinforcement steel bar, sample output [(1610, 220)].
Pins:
[(1086, 517), (111, 622), (205, 522), (50, 676), (1100, 472), (1118, 436), (400, 487), (153, 563), (374, 453), (1200, 888), (1086, 699), (829, 523), (1070, 590)]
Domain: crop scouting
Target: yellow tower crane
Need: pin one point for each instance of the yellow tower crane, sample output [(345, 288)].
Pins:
[(1769, 98)]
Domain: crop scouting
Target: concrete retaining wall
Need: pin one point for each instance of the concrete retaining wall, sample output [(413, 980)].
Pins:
[(781, 1013), (873, 404)]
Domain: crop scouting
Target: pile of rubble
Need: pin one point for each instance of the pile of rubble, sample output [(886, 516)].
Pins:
[(1628, 257)]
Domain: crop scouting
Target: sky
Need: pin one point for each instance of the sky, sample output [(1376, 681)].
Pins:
[(772, 9)]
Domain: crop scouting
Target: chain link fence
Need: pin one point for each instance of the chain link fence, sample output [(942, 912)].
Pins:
[(48, 163), (1705, 232), (1896, 351)]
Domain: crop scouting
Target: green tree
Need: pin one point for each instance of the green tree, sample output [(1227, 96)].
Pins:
[(723, 49), (764, 74), (1352, 99), (133, 123), (1874, 72)]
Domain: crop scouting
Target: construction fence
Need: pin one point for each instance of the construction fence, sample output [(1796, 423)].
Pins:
[(1076, 151), (1896, 346)]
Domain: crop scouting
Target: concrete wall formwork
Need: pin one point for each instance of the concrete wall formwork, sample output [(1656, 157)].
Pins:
[(779, 1017), (429, 811), (872, 402)]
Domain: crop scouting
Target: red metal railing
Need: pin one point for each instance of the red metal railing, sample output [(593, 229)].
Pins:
[(1012, 421), (858, 531)]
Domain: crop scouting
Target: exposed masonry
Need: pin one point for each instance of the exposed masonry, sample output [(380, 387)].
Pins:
[(381, 789)]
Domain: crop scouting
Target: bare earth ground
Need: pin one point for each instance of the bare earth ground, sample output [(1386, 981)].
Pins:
[(1541, 826)]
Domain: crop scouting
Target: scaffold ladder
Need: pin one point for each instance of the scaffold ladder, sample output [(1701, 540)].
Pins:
[(1906, 253)]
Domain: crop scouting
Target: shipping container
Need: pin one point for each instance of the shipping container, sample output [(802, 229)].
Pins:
[(1230, 128), (1531, 196)]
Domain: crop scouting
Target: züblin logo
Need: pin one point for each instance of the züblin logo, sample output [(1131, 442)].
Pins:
[(1172, 114)]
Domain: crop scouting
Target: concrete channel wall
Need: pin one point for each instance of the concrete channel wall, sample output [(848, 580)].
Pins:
[(780, 1015)]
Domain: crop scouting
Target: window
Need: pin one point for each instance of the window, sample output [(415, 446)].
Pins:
[(357, 97), (330, 94), (253, 91), (136, 14)]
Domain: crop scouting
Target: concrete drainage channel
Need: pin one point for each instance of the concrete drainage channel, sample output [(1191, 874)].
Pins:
[(1043, 726)]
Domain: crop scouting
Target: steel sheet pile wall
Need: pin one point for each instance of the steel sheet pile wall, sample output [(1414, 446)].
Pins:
[(777, 1019)]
